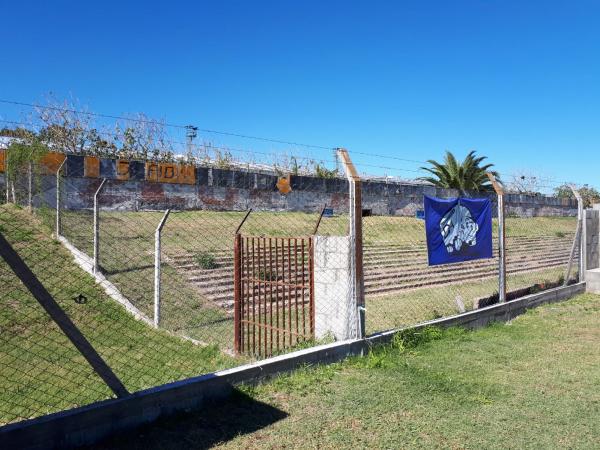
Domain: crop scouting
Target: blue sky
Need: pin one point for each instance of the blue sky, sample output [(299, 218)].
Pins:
[(517, 81)]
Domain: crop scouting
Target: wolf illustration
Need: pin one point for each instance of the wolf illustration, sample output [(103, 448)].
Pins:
[(458, 228)]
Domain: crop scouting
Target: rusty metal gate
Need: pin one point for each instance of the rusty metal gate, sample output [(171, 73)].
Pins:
[(274, 293)]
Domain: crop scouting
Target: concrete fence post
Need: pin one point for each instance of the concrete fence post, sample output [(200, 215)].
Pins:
[(501, 239), (58, 221), (356, 239), (583, 240), (6, 183), (30, 186), (157, 268), (97, 228), (579, 239)]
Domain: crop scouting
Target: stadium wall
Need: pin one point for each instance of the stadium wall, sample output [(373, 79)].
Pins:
[(139, 185)]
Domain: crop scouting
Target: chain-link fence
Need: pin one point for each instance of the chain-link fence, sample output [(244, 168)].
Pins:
[(166, 280), (163, 283), (402, 288)]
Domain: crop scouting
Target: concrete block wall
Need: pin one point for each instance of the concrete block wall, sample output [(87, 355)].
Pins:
[(335, 311), (224, 189), (592, 238)]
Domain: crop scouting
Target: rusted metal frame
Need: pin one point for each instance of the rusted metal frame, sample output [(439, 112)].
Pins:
[(271, 294), (277, 308), (265, 325), (274, 283), (53, 309), (237, 292), (311, 274), (243, 221), (303, 291), (501, 238), (356, 240), (289, 290), (259, 283), (253, 301), (296, 284), (263, 317), (247, 295)]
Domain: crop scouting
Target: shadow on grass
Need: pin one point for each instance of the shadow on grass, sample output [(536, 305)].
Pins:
[(217, 423)]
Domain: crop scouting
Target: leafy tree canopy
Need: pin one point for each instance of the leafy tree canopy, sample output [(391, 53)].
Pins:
[(589, 194), (470, 175)]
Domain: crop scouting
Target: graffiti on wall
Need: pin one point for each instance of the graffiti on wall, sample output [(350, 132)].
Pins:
[(119, 169)]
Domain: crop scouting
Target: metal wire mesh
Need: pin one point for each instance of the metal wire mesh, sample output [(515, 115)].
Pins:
[(170, 280), (94, 250), (402, 289)]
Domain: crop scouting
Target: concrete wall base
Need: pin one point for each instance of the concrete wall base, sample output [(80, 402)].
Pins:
[(592, 279)]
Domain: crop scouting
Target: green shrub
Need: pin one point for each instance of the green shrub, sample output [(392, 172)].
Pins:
[(206, 260)]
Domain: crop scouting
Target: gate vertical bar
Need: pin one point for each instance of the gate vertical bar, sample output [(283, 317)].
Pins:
[(237, 293), (501, 239), (97, 228), (157, 286), (356, 239)]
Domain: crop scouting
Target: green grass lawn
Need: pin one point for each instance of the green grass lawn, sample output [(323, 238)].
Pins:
[(40, 371), (531, 383)]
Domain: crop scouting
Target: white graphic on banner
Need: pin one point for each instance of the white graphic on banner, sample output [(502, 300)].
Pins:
[(458, 228)]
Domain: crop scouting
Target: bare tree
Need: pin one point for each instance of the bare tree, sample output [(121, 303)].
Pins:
[(525, 182), (144, 138), (65, 125)]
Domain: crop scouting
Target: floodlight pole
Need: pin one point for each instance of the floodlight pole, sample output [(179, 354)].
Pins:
[(356, 241), (97, 228), (501, 239), (157, 268)]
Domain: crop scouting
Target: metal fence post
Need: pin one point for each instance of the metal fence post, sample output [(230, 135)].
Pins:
[(30, 186), (157, 268), (6, 176), (501, 239), (97, 228), (578, 239), (58, 224), (356, 238)]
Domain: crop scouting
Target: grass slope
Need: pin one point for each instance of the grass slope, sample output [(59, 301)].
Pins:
[(40, 370), (531, 383)]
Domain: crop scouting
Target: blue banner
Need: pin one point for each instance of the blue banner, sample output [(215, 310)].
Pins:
[(458, 229)]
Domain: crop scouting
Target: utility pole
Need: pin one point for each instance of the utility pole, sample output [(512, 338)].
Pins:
[(190, 134)]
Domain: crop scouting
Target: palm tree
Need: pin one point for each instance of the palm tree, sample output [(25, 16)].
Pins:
[(466, 176)]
